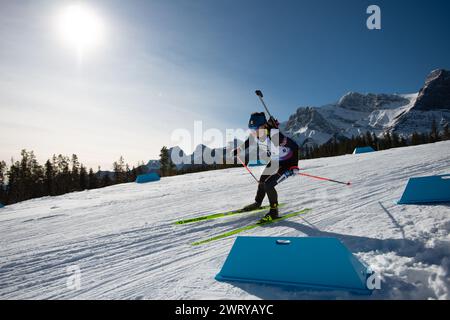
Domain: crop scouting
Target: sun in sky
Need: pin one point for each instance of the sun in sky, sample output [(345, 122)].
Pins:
[(80, 28)]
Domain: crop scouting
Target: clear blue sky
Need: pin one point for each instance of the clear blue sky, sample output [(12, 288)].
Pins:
[(163, 64)]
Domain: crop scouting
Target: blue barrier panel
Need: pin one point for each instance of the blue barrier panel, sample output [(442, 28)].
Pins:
[(1, 205), (148, 177), (363, 150), (423, 190), (255, 163), (305, 262)]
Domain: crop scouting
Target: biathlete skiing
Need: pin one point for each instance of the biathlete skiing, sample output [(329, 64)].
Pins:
[(282, 152)]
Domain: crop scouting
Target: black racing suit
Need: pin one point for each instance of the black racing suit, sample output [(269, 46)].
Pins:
[(286, 155)]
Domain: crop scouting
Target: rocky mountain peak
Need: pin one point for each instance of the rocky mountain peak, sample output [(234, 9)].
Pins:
[(369, 102), (435, 95)]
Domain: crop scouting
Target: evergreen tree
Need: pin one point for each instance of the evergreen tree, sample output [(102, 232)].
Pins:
[(415, 139), (64, 177), (92, 180), (25, 178), (134, 174), (128, 174), (387, 141), (446, 132), (119, 171), (424, 138), (3, 194), (376, 143), (83, 182), (49, 182), (403, 142), (75, 174), (369, 139), (167, 166), (395, 140), (306, 152), (106, 180), (434, 134)]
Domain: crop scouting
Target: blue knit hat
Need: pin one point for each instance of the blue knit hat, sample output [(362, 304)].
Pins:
[(257, 119)]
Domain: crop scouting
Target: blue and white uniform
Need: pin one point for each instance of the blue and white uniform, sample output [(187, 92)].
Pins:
[(282, 151)]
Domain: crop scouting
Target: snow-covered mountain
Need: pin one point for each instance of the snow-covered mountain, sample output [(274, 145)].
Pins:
[(197, 157), (124, 244), (356, 113)]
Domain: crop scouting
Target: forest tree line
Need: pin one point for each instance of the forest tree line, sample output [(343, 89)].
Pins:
[(27, 179)]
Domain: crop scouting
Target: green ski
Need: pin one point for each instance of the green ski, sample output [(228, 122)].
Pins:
[(221, 215), (249, 227)]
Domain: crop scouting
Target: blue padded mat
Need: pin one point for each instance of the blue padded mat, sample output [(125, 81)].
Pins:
[(359, 150), (148, 177), (306, 262), (425, 190)]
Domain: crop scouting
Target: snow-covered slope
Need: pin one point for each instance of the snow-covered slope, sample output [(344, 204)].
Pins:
[(124, 242)]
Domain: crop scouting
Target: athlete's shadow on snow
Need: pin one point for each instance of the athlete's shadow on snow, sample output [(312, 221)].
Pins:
[(402, 247), (394, 221)]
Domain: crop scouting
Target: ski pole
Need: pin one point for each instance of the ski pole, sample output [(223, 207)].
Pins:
[(324, 179), (260, 96), (245, 166)]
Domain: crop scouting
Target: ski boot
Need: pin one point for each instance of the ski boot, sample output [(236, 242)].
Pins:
[(251, 207), (271, 215)]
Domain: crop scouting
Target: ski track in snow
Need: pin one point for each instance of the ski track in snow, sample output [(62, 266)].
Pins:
[(125, 243)]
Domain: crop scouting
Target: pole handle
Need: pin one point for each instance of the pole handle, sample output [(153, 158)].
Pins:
[(260, 96)]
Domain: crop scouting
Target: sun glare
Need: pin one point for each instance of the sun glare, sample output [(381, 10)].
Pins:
[(80, 28)]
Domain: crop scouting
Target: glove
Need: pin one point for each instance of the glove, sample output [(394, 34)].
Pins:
[(273, 123), (294, 170)]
